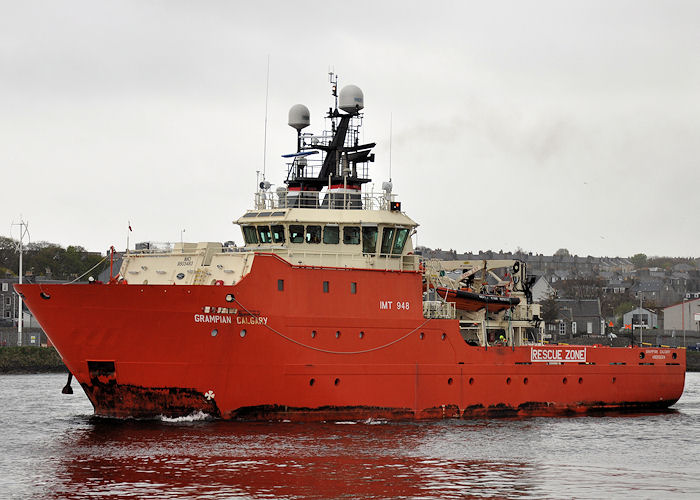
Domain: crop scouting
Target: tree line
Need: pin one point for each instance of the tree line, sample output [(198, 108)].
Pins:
[(47, 259)]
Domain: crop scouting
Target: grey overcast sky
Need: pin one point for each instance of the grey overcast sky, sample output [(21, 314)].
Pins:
[(539, 125)]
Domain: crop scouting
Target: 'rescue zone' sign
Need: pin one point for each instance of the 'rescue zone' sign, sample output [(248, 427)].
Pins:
[(558, 354)]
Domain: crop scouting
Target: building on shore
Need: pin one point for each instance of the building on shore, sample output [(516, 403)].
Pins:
[(683, 317), (641, 316)]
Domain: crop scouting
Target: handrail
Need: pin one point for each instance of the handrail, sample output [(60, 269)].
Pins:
[(371, 200)]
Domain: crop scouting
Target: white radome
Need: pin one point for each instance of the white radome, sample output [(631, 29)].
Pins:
[(351, 99), (299, 116)]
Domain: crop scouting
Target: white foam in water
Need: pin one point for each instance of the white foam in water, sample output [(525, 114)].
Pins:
[(193, 417), (375, 421), (369, 421)]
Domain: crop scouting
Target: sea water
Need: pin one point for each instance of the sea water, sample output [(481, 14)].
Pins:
[(51, 446)]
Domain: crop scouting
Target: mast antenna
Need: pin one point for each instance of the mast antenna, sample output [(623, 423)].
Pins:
[(391, 131), (267, 91), (23, 231)]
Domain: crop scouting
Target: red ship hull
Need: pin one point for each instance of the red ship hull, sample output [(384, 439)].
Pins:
[(280, 347)]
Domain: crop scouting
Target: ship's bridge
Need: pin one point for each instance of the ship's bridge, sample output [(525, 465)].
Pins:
[(321, 217), (339, 238)]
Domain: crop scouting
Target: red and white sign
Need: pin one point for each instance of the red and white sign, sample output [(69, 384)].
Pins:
[(558, 354)]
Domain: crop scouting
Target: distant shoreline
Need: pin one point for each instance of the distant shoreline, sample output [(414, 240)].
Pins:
[(29, 360)]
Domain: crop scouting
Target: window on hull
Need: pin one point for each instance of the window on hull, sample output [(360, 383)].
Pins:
[(278, 233), (250, 235), (331, 235), (351, 235), (313, 234), (296, 233), (400, 241), (369, 240), (264, 235), (387, 239)]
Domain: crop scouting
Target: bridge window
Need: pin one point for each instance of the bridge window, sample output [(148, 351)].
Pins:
[(351, 235), (369, 240), (250, 235), (278, 234), (296, 233), (313, 234), (264, 234), (387, 239), (331, 235), (400, 241)]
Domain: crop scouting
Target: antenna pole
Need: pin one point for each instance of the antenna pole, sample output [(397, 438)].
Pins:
[(333, 78), (23, 230), (391, 131), (267, 91)]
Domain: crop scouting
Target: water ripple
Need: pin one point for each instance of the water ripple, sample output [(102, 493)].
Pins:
[(57, 450)]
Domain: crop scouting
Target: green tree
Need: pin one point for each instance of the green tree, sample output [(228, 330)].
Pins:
[(48, 259), (639, 260), (550, 308)]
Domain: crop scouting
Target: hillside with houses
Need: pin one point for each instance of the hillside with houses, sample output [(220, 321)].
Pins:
[(580, 296), (594, 296)]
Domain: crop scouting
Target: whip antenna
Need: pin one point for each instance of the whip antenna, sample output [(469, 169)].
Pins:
[(391, 130), (267, 90)]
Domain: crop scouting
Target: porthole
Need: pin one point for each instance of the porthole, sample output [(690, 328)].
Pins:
[(312, 381), (641, 355), (580, 380), (508, 381), (214, 332), (362, 335), (422, 335), (180, 276), (337, 381), (229, 297), (243, 333), (313, 334), (525, 381), (471, 381), (337, 334), (449, 381), (564, 380), (444, 336)]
